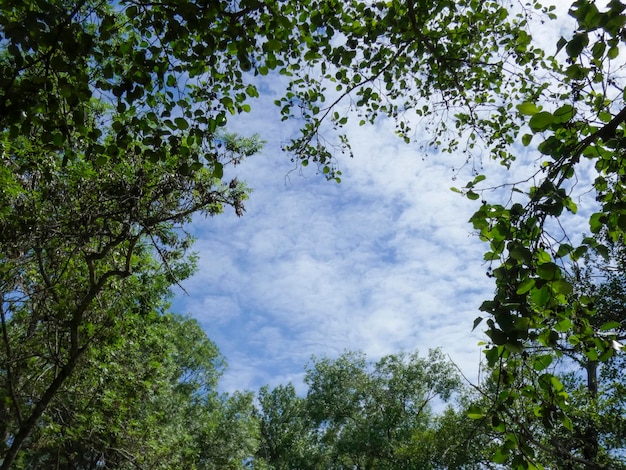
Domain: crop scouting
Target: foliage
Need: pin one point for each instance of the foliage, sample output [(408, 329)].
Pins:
[(287, 439), (110, 141), (175, 73), (77, 258), (536, 300), (360, 415), (595, 387), (145, 399), (457, 442), (591, 434), (444, 67), (472, 68), (157, 67), (109, 114)]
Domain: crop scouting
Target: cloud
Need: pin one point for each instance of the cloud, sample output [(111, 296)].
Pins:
[(383, 262)]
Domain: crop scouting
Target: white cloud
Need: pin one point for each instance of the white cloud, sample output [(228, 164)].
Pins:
[(382, 262), (385, 261)]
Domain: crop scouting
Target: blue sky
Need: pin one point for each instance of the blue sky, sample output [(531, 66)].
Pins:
[(383, 262)]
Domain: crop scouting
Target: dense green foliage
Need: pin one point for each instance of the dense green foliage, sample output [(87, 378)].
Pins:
[(365, 416), (88, 257), (592, 433), (145, 398), (100, 172), (109, 142)]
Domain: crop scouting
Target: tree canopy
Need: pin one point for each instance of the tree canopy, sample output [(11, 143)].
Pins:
[(100, 173), (360, 415), (110, 120)]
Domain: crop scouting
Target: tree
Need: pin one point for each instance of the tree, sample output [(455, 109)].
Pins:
[(598, 386), (147, 398), (287, 436), (86, 86), (471, 68), (457, 442), (77, 258), (108, 147), (591, 435), (358, 415)]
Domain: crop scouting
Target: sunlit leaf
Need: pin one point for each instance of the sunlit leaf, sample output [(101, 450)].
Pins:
[(541, 121), (528, 109)]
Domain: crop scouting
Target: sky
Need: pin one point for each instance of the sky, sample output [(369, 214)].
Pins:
[(384, 262)]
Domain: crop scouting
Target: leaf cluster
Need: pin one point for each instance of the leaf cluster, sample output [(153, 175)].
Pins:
[(361, 415)]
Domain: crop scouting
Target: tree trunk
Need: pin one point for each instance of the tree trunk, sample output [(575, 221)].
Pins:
[(590, 438)]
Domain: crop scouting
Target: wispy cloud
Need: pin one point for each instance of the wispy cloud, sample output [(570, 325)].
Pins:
[(383, 262)]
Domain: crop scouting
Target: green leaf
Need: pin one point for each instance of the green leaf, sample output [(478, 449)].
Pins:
[(598, 50), (528, 109), (556, 383), (273, 45), (548, 271), (570, 205), (498, 337), (541, 121), (500, 456), (474, 412), (561, 286), (514, 347), (526, 285), (218, 170), (520, 253), (576, 45), (596, 222), (492, 355), (564, 249), (611, 325), (542, 256), (542, 362), (579, 252), (605, 116), (526, 139), (540, 297), (567, 423), (564, 325), (479, 178), (564, 114), (576, 72), (551, 146), (181, 123), (573, 340), (491, 256), (592, 354)]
